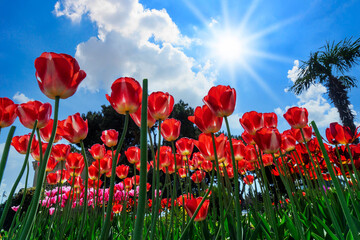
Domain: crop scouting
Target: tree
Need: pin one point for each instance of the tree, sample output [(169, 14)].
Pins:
[(328, 67)]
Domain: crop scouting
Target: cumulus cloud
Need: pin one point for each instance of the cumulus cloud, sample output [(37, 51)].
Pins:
[(137, 42), (21, 98), (313, 100)]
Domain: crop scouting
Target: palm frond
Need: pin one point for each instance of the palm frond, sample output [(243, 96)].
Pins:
[(348, 81)]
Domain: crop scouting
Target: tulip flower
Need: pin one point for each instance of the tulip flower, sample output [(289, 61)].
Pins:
[(45, 132), (249, 179), (74, 161), (117, 208), (239, 149), (337, 134), (288, 142), (58, 75), (182, 172), (34, 110), (7, 112), (297, 134), (133, 154), (20, 143), (206, 120), (51, 164), (205, 146), (97, 151), (36, 153), (248, 139), (221, 100), (74, 128), (268, 140), (160, 105), (65, 175), (267, 159), (165, 157), (60, 151), (53, 178), (126, 95), (297, 117), (128, 183), (136, 117), (250, 153), (184, 146), (170, 129), (198, 176), (252, 121), (207, 166), (110, 137), (270, 120), (191, 206), (230, 172), (122, 171)]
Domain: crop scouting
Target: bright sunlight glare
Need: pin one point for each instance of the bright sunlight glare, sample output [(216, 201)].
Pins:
[(228, 47)]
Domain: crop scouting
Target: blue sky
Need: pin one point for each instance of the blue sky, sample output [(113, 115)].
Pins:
[(181, 46)]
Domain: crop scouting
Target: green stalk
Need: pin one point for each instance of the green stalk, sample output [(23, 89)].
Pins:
[(9, 201), (85, 205), (140, 215), (35, 201), (105, 229), (157, 198), (173, 194), (6, 151), (236, 183), (339, 192), (222, 220)]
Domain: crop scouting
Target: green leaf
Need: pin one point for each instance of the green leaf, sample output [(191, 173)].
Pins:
[(326, 228), (290, 225)]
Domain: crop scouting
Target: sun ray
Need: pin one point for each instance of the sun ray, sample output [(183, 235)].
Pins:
[(248, 14)]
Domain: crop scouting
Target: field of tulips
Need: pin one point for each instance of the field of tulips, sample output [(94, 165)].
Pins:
[(263, 185)]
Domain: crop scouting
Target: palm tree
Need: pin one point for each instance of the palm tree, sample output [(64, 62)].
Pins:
[(328, 67)]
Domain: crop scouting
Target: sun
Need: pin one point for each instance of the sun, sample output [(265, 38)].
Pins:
[(227, 47)]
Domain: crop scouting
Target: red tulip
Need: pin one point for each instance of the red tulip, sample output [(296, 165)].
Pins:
[(184, 146), (136, 117), (60, 151), (128, 183), (242, 165), (65, 175), (165, 157), (191, 206), (182, 172), (51, 164), (205, 146), (207, 166), (20, 143), (267, 159), (93, 171), (74, 128), (160, 105), (110, 137), (133, 154), (307, 134), (122, 171), (249, 139), (268, 140), (136, 179), (105, 165), (221, 100), (126, 95), (58, 74), (250, 153), (230, 172), (249, 179), (97, 151), (252, 121), (7, 112), (34, 110), (288, 142), (117, 208), (94, 183), (75, 161), (198, 176), (36, 153), (337, 134), (238, 147), (297, 117), (270, 120), (170, 129), (45, 132), (53, 178), (206, 120)]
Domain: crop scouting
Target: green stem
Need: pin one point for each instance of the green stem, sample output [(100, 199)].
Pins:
[(339, 192), (9, 201), (140, 215), (6, 151), (41, 176), (236, 183), (106, 227)]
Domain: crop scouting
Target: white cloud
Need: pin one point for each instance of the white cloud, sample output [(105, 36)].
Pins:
[(235, 126), (137, 42), (314, 101), (21, 98)]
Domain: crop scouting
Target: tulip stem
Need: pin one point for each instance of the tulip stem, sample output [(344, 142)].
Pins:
[(9, 201), (140, 214), (6, 151), (85, 205), (236, 182), (106, 227)]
